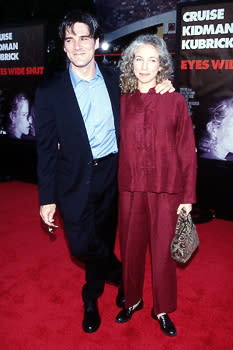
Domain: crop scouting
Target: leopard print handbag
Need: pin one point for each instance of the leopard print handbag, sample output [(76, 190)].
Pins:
[(186, 239)]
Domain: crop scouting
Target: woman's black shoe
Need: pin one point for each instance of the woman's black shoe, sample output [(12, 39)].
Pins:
[(166, 325), (126, 314)]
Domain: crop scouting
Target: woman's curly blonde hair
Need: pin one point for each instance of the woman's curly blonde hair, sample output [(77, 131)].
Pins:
[(128, 80)]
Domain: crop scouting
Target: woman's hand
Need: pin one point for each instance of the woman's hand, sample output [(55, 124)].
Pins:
[(186, 207), (164, 86)]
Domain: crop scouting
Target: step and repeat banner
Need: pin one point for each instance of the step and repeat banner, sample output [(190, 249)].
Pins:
[(205, 77), (22, 65)]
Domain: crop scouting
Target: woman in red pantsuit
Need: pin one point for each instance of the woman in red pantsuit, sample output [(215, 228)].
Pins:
[(157, 175)]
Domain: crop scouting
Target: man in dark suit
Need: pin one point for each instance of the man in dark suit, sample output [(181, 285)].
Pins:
[(77, 131)]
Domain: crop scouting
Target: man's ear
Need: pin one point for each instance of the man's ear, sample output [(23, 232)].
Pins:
[(97, 43)]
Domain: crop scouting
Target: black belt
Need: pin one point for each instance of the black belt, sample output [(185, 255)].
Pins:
[(97, 161)]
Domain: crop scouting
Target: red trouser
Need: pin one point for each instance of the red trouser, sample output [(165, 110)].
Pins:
[(148, 218)]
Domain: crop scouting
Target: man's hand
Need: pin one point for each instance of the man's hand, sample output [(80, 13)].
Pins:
[(187, 208), (164, 86), (47, 214)]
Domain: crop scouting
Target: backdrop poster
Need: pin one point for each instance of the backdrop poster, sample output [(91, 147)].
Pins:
[(205, 74), (22, 63)]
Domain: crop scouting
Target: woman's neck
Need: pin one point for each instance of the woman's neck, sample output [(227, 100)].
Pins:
[(144, 88)]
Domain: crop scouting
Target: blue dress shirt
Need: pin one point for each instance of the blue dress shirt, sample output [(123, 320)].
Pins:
[(96, 109)]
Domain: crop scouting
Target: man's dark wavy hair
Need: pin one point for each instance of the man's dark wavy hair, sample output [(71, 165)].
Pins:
[(79, 16)]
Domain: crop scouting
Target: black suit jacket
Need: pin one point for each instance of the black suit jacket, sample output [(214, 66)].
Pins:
[(64, 174)]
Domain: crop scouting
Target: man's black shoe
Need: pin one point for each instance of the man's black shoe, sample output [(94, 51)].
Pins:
[(126, 314), (120, 299), (166, 325), (91, 321)]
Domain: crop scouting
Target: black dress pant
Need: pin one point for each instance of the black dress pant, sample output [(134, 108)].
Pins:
[(92, 237)]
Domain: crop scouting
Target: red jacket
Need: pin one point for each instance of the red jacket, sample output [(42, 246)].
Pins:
[(157, 147)]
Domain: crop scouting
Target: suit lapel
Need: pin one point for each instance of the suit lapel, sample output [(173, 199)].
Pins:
[(72, 108)]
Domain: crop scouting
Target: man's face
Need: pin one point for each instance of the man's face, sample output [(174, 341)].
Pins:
[(79, 46)]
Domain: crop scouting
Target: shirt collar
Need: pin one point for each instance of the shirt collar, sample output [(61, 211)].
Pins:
[(76, 79)]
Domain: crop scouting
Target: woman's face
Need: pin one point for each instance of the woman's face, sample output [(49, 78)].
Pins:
[(146, 66), (21, 119)]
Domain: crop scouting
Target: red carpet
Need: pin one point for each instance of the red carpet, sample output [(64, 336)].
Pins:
[(40, 288)]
